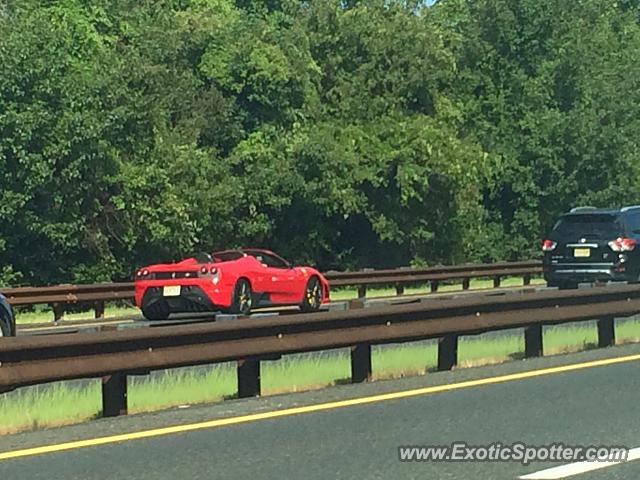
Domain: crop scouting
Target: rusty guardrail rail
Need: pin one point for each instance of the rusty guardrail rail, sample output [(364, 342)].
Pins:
[(434, 275), (60, 295), (114, 355)]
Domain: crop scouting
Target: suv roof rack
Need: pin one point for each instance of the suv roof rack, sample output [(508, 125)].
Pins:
[(629, 207), (579, 209)]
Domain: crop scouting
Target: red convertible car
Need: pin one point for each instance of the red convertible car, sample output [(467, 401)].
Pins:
[(233, 281)]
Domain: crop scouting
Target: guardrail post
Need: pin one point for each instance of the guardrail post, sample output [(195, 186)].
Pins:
[(526, 279), (496, 282), (114, 395), (606, 332), (99, 309), (362, 291), (399, 289), (248, 377), (533, 341), (361, 363), (447, 352), (434, 286), (466, 283), (58, 311)]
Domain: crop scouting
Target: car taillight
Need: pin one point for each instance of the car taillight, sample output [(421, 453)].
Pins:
[(216, 275), (203, 270), (214, 270), (621, 244), (548, 245), (142, 273)]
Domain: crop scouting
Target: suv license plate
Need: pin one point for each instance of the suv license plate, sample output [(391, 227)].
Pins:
[(171, 291), (582, 252)]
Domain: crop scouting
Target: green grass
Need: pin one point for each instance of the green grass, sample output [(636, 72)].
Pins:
[(628, 330), (48, 405), (304, 371), (70, 402), (182, 386), (45, 314)]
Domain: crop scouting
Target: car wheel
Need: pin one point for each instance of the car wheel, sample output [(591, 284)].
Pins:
[(634, 279), (156, 311), (568, 286), (312, 296), (4, 328), (5, 325), (242, 298)]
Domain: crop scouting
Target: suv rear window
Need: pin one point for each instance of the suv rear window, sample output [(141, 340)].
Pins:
[(589, 225)]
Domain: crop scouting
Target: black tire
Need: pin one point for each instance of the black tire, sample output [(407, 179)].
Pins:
[(242, 299), (4, 328), (5, 323), (156, 311), (635, 279), (568, 286), (312, 298)]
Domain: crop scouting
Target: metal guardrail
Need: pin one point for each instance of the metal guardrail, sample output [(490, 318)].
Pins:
[(60, 295), (114, 355)]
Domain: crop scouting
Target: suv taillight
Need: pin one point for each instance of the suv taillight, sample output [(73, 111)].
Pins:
[(621, 244), (548, 245)]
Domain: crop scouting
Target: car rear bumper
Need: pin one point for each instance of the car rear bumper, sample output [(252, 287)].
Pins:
[(196, 295), (192, 298), (585, 272)]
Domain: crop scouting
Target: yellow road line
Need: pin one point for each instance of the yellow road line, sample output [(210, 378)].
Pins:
[(92, 442)]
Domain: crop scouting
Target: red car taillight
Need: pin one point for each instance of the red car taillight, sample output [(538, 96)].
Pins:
[(216, 275), (206, 271), (548, 245), (621, 244), (142, 273)]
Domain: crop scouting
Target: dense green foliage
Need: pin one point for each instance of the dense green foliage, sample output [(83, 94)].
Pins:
[(348, 134)]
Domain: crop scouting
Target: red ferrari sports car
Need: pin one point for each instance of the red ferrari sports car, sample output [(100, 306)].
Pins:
[(233, 281)]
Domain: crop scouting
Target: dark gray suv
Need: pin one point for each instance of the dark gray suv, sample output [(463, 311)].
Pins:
[(7, 318), (590, 244)]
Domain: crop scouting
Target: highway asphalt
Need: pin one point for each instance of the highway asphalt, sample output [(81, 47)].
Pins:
[(594, 401)]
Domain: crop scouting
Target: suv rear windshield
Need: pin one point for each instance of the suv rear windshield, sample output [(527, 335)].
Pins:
[(589, 225)]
